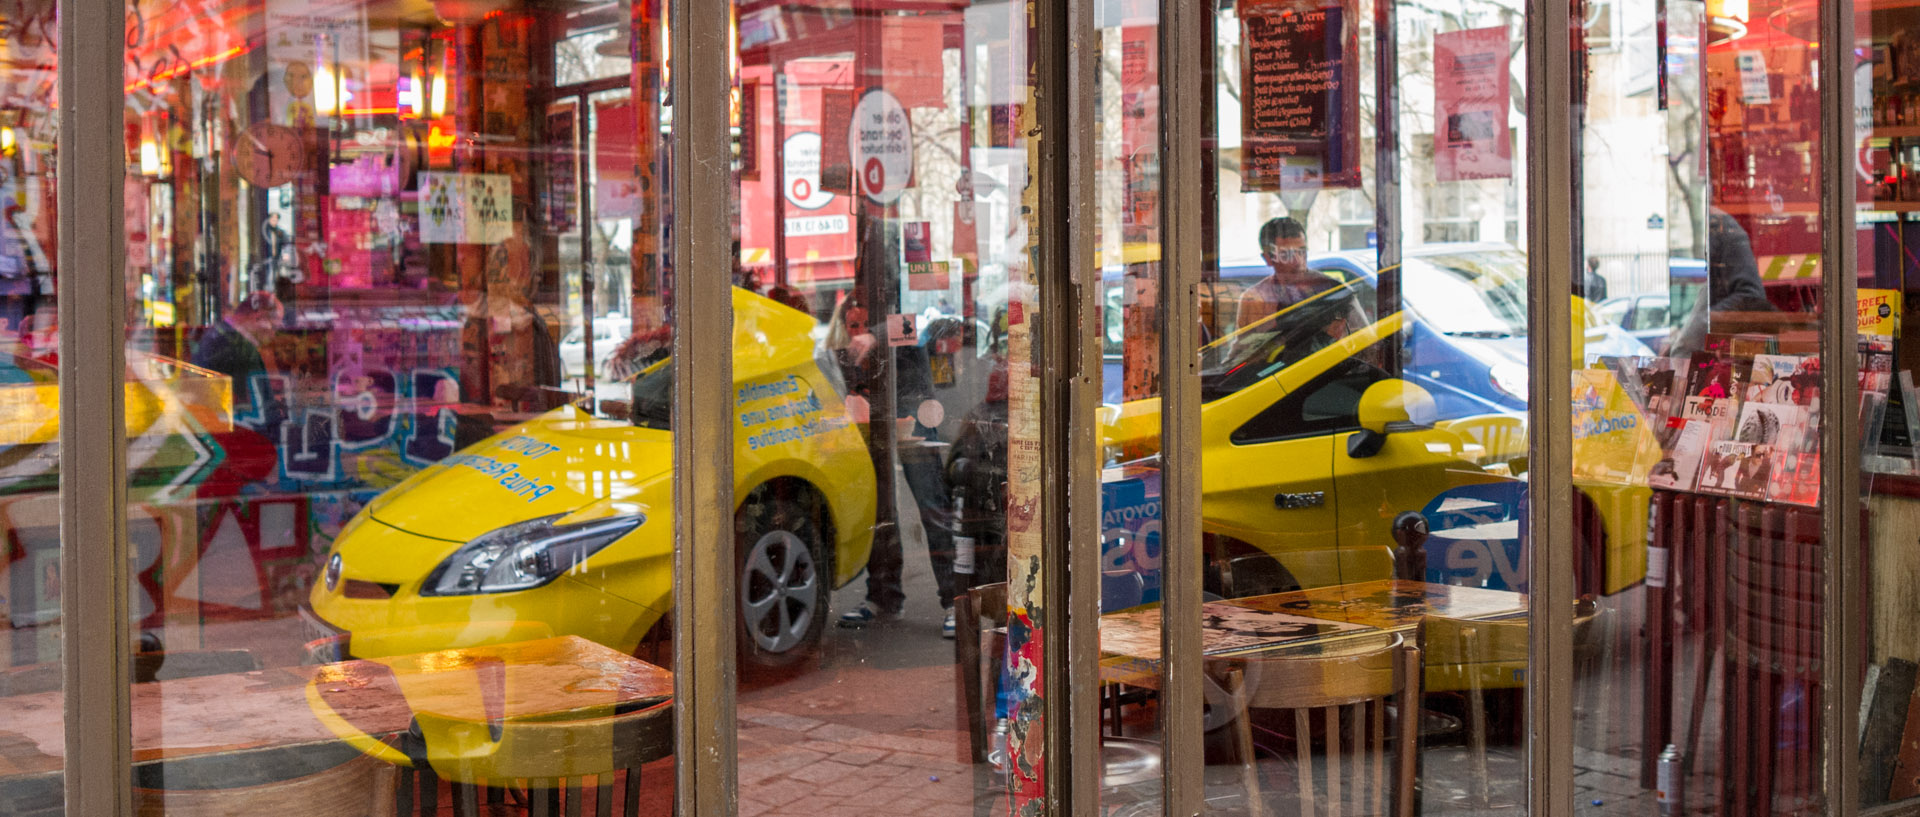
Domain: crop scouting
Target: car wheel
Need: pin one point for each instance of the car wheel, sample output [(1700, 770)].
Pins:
[(782, 583)]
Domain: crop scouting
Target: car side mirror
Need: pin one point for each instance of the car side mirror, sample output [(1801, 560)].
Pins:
[(1386, 407)]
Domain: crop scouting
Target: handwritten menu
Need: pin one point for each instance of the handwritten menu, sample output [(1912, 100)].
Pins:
[(1299, 126)]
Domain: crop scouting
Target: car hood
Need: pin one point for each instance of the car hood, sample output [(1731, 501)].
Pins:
[(563, 462)]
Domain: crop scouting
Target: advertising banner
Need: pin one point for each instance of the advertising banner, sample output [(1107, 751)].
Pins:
[(1471, 79), (1299, 82)]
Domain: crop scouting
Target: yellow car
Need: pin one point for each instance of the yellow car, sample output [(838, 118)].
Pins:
[(564, 525), (1313, 452)]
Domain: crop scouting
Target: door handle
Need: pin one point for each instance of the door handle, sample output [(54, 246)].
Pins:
[(1308, 499)]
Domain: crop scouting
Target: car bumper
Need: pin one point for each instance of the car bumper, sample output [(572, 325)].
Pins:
[(339, 628)]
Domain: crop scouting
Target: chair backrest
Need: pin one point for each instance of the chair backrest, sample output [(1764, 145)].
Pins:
[(977, 616), (1495, 653), (1348, 688), (472, 752)]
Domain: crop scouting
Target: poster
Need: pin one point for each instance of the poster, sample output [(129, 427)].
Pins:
[(465, 208), (561, 198), (1471, 76), (616, 190), (1300, 91), (1140, 133), (880, 138), (1880, 312)]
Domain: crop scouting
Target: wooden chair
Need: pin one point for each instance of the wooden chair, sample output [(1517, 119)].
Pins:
[(980, 628), (1471, 657), (980, 632), (546, 758), (1350, 684)]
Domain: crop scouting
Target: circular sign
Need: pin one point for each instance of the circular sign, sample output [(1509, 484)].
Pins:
[(880, 145), (801, 159)]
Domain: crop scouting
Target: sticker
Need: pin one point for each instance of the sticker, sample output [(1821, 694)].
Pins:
[(901, 330), (930, 413), (1657, 567), (927, 276)]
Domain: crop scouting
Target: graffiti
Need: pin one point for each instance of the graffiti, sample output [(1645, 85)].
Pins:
[(375, 416)]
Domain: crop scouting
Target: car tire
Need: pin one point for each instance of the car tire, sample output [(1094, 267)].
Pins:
[(784, 581)]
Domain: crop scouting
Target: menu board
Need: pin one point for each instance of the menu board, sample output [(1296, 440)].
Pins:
[(1299, 81)]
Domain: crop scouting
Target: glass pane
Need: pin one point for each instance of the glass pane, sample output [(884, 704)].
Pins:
[(886, 455), (403, 499), (1363, 386), (1886, 137), (32, 746), (1127, 174), (1696, 460)]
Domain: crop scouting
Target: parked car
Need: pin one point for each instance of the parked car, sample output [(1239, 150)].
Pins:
[(608, 331), (1467, 320), (1645, 317), (563, 525)]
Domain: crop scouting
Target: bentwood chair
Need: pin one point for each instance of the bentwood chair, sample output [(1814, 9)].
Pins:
[(552, 764), (1346, 688), (1473, 658), (1128, 765)]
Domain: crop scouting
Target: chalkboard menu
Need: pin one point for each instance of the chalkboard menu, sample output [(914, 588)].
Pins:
[(1299, 81)]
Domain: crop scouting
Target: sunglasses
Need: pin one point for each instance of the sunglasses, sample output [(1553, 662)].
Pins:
[(1289, 253)]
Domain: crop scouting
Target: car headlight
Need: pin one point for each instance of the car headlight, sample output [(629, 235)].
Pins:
[(1509, 379), (523, 555)]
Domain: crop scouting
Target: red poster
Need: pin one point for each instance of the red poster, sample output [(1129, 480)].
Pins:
[(1300, 91), (1470, 89), (966, 240), (616, 190), (836, 113), (1139, 131), (910, 65)]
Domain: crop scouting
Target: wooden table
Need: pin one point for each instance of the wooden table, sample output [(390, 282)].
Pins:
[(1335, 617), (274, 709)]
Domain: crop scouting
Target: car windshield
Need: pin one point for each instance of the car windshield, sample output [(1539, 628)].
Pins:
[(1267, 346), (1481, 294), (653, 396)]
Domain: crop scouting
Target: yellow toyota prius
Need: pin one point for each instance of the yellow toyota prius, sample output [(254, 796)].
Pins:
[(564, 524)]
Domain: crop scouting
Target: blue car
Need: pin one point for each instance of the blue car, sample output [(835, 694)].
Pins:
[(1467, 345)]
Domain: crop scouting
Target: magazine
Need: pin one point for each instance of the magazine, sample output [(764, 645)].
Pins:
[(1683, 446), (1736, 469)]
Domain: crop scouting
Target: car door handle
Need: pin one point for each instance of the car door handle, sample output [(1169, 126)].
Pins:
[(1308, 499)]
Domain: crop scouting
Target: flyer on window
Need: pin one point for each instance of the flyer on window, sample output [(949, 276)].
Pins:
[(1471, 76)]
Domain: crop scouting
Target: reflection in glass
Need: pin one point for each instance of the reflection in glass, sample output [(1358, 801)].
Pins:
[(416, 541)]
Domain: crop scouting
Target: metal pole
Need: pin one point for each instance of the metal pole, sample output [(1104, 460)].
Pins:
[(93, 438), (1070, 298), (1386, 165), (1551, 40), (1183, 126), (1841, 649), (703, 552)]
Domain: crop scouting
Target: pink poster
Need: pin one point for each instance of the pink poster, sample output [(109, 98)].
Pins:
[(616, 191), (1471, 92)]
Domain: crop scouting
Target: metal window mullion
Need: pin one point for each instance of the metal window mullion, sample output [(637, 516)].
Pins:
[(1183, 48), (93, 473), (1069, 83), (1550, 251), (703, 625), (1841, 647)]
